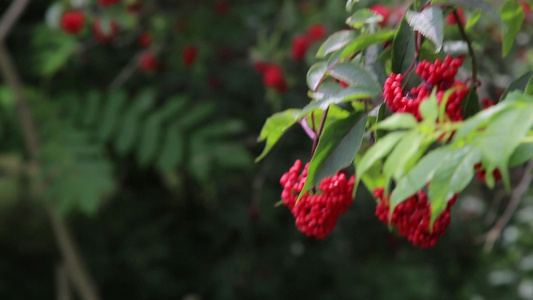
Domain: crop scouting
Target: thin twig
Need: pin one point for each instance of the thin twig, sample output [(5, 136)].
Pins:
[(516, 196), (469, 44), (126, 73), (62, 286), (319, 132), (11, 16), (305, 126)]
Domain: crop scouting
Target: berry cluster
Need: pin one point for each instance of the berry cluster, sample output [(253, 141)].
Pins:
[(440, 74), (301, 43), (272, 76), (412, 218), (316, 215)]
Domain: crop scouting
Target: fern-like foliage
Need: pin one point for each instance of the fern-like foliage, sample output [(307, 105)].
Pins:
[(174, 134)]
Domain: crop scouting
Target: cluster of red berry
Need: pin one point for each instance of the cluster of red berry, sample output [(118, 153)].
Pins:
[(412, 217), (316, 215), (439, 74), (300, 43)]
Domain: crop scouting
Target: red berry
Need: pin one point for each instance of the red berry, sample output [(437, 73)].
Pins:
[(188, 55), (72, 21), (316, 32), (381, 10), (145, 39), (527, 11), (221, 7), (299, 47), (260, 66), (105, 34), (316, 215), (134, 7), (412, 218), (106, 3), (451, 20), (273, 78), (147, 62)]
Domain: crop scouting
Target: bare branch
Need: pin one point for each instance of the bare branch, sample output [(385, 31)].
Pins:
[(516, 196), (11, 16)]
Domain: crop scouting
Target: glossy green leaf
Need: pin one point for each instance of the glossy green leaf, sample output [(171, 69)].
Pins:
[(519, 84), (470, 104), (275, 127), (453, 175), (354, 74), (395, 165), (363, 16), (521, 154), (398, 121), (336, 149), (429, 109), (363, 41), (512, 17), (403, 48), (316, 74), (335, 42), (347, 94), (378, 151), (429, 23)]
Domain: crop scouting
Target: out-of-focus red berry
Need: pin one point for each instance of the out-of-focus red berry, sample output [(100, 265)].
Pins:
[(299, 47), (106, 3), (189, 55), (147, 62), (72, 21), (451, 20), (260, 66), (105, 34), (273, 77), (221, 7), (316, 32), (381, 10), (527, 11), (145, 39)]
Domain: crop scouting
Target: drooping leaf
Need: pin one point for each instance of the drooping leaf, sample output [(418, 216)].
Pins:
[(354, 74), (316, 74), (379, 150), (112, 114), (519, 84), (451, 177), (521, 154), (398, 121), (173, 150), (429, 23), (363, 41), (347, 94), (336, 149), (335, 42), (275, 127), (470, 104), (395, 165), (512, 17), (363, 16), (149, 141), (403, 48)]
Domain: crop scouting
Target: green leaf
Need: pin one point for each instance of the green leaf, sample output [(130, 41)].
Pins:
[(350, 4), (453, 176), (471, 125), (336, 149), (403, 48), (354, 74), (173, 150), (398, 121), (473, 20), (470, 104), (363, 41), (429, 109), (197, 115), (522, 154), (92, 108), (275, 127), (420, 174), (112, 114), (316, 74), (429, 23), (512, 17), (395, 165), (347, 94), (335, 42), (379, 150), (363, 16), (519, 84), (149, 142)]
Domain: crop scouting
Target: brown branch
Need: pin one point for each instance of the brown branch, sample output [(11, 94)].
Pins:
[(79, 276), (11, 16), (62, 287), (516, 196)]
